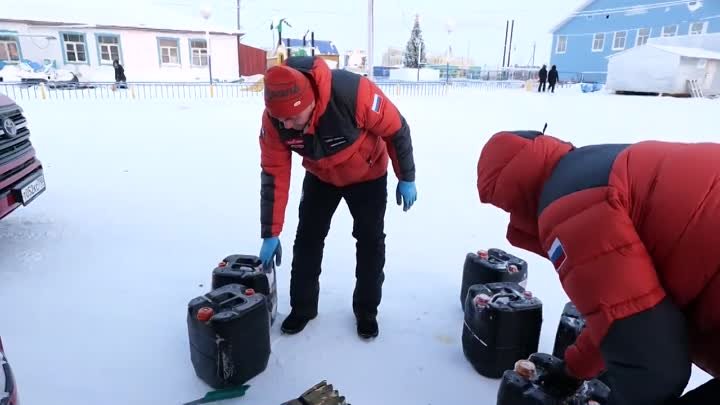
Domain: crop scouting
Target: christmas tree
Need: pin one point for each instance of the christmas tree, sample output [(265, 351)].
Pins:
[(415, 46)]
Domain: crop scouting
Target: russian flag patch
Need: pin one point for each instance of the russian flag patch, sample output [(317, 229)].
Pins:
[(557, 254), (377, 101)]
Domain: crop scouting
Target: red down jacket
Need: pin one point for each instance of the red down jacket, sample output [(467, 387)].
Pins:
[(625, 226), (353, 132)]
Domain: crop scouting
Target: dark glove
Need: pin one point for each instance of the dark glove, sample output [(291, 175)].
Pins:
[(406, 194), (270, 249), (319, 394), (554, 377)]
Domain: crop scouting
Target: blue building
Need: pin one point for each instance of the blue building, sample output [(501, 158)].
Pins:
[(599, 28)]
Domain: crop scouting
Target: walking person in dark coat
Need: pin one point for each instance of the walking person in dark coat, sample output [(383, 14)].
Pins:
[(120, 79), (543, 78), (552, 78)]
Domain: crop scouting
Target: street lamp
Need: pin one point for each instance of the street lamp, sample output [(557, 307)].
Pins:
[(206, 12)]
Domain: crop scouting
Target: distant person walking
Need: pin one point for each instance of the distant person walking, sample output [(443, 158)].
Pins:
[(543, 78), (552, 78), (120, 79)]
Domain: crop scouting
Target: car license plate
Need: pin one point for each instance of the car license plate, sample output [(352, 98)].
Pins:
[(32, 189)]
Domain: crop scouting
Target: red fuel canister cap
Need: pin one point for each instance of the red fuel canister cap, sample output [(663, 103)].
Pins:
[(483, 254), (481, 300), (222, 264), (249, 292), (204, 314)]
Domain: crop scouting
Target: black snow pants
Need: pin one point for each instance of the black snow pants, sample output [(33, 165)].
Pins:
[(367, 202)]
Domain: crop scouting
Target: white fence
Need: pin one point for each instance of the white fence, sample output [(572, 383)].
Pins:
[(167, 90)]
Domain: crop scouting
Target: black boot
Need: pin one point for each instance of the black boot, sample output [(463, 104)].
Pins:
[(295, 323), (367, 326)]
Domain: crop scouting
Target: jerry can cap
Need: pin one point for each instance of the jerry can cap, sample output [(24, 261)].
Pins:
[(205, 313), (525, 368), (482, 300)]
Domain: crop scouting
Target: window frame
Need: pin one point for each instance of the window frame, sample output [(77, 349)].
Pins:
[(64, 43), (100, 45), (177, 48), (595, 39)]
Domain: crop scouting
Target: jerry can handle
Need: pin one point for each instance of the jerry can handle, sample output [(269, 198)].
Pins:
[(247, 260), (503, 295)]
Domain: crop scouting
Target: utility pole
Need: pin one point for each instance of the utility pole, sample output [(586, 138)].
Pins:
[(512, 28), (238, 38), (238, 15), (507, 27), (533, 54), (371, 40)]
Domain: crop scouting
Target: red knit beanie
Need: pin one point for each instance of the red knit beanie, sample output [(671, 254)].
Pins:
[(287, 91)]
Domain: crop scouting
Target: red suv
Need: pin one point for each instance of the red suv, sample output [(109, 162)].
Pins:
[(8, 390), (21, 173)]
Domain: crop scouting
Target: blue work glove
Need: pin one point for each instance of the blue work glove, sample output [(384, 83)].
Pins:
[(270, 249), (406, 190)]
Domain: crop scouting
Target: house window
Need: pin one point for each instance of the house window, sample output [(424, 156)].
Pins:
[(598, 42), (108, 48), (75, 49), (619, 40), (169, 51), (698, 28), (561, 46), (198, 52), (9, 49), (642, 36), (670, 30)]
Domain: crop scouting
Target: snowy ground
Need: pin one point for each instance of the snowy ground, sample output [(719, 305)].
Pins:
[(145, 197)]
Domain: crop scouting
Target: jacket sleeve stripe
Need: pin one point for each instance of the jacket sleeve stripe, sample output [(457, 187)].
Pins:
[(380, 116), (275, 162), (401, 152), (267, 203)]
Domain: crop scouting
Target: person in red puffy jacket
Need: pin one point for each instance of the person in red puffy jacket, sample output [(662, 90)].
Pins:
[(633, 232), (347, 132)]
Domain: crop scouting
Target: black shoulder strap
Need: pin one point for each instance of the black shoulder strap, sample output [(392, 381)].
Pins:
[(301, 63)]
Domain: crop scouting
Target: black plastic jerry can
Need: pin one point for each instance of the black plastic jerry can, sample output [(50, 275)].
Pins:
[(248, 271), (229, 335), (569, 328), (502, 325), (492, 266), (523, 385)]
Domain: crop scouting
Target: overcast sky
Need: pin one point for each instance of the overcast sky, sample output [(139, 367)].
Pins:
[(478, 26)]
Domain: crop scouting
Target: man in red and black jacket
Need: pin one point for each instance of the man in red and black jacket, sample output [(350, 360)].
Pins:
[(632, 231), (346, 130)]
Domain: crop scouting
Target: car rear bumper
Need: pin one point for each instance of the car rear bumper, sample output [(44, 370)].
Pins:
[(21, 181)]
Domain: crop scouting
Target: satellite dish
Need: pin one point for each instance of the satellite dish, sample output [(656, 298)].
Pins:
[(694, 5)]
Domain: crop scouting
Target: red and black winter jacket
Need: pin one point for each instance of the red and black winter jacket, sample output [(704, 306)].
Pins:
[(625, 226), (353, 130)]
